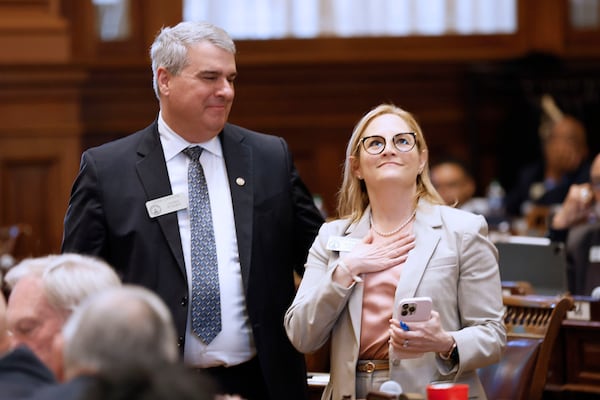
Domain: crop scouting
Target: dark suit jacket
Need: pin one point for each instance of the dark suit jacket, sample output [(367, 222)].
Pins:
[(75, 389), (21, 373), (534, 173), (275, 220)]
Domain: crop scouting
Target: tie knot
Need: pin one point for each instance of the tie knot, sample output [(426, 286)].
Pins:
[(193, 152)]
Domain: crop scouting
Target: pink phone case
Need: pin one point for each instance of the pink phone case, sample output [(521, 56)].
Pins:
[(414, 309)]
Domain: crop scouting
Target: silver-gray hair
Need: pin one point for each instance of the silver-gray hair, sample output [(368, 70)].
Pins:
[(170, 46), (119, 331), (67, 278)]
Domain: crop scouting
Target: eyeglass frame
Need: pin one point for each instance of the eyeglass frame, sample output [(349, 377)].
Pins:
[(364, 139)]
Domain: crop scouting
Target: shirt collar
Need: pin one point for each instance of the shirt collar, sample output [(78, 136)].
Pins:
[(173, 144)]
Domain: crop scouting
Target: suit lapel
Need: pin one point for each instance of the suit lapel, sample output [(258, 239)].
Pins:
[(152, 171), (238, 161), (357, 230), (427, 237)]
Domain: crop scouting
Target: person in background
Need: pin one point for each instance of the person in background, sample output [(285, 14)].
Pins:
[(396, 239), (167, 382), (577, 224), (113, 343), (249, 224), (581, 206), (43, 293), (547, 181), (21, 373), (454, 182)]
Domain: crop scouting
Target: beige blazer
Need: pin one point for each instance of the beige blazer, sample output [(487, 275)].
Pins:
[(453, 262)]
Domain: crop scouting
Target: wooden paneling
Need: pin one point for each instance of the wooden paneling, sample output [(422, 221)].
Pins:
[(62, 91), (33, 31), (315, 107), (34, 187), (39, 149)]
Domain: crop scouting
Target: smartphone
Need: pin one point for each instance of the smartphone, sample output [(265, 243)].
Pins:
[(414, 309)]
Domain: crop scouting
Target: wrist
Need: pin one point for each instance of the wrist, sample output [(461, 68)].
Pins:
[(559, 221), (450, 353), (342, 265)]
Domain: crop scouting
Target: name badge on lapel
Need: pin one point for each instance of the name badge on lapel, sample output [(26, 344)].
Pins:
[(166, 205), (341, 243)]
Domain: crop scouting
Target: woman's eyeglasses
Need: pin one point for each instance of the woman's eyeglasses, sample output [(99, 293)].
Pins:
[(403, 142)]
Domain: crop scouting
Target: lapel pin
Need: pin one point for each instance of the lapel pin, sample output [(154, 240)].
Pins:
[(240, 181)]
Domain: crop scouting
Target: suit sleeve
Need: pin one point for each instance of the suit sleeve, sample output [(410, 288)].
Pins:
[(483, 337), (307, 218), (84, 225)]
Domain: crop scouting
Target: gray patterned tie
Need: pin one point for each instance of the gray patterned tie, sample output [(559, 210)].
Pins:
[(206, 302)]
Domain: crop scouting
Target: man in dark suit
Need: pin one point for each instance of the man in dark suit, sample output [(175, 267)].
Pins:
[(129, 205)]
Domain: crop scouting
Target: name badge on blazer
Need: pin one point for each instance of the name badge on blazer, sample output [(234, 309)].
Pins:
[(166, 205), (341, 243)]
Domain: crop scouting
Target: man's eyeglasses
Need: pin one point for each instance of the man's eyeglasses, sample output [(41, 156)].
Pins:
[(403, 142), (595, 182)]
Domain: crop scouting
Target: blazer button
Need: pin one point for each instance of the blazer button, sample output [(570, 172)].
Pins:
[(184, 301), (180, 341)]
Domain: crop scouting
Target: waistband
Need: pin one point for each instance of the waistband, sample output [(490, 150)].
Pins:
[(372, 365)]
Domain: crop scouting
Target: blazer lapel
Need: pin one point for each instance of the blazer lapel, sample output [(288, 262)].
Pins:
[(357, 230), (153, 174), (427, 237), (238, 161)]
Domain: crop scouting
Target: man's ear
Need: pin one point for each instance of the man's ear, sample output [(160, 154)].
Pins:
[(163, 79)]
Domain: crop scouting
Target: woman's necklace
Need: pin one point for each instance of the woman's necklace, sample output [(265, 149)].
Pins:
[(398, 229)]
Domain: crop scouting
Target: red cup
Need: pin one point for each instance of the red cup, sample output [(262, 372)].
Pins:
[(448, 391)]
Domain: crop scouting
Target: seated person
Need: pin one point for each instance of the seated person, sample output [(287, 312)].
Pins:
[(456, 185), (577, 222), (581, 206), (21, 372), (43, 293), (121, 344), (166, 382), (547, 181), (117, 335)]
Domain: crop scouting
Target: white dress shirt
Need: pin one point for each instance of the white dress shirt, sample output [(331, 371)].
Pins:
[(235, 343)]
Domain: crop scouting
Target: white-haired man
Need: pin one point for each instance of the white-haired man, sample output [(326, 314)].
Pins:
[(44, 292), (21, 372), (121, 343)]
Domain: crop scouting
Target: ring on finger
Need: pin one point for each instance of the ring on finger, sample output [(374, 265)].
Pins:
[(405, 344)]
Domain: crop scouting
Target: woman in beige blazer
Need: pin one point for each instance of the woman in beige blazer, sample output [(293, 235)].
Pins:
[(395, 240)]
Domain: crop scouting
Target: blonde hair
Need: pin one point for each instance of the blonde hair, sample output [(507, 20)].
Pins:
[(353, 198)]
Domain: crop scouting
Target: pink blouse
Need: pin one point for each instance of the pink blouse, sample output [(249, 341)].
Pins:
[(378, 302)]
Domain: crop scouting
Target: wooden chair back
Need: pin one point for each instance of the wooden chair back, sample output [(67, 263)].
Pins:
[(517, 287), (532, 326)]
